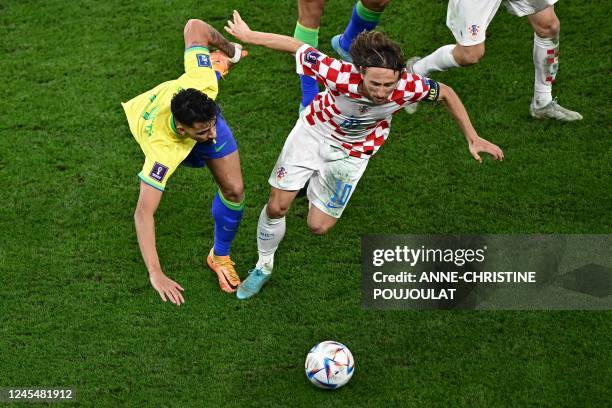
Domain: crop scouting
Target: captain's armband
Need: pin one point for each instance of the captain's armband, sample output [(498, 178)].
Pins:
[(434, 90)]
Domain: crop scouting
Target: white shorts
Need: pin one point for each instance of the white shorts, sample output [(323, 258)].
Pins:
[(333, 174), (469, 19)]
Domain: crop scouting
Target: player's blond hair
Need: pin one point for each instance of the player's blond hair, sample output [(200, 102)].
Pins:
[(374, 49)]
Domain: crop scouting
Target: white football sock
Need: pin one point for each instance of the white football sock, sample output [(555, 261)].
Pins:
[(546, 61), (270, 233), (439, 60)]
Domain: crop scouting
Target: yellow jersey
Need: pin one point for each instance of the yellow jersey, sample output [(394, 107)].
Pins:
[(151, 122)]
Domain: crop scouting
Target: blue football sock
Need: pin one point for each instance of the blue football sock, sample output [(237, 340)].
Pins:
[(227, 216), (362, 19)]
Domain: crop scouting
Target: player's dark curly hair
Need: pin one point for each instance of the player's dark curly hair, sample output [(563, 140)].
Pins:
[(191, 106), (374, 49)]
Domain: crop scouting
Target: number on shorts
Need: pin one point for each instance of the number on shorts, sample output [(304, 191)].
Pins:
[(342, 193)]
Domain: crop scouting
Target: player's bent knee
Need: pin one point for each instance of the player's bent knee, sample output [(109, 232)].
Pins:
[(549, 29), (235, 193), (319, 229), (276, 209), (375, 5)]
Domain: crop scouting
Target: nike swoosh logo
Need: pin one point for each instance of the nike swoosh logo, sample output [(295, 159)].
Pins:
[(227, 229), (218, 148), (228, 282), (330, 205)]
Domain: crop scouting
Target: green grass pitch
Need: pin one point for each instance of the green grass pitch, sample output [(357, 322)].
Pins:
[(77, 309)]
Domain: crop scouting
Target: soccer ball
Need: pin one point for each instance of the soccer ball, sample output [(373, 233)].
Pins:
[(329, 365)]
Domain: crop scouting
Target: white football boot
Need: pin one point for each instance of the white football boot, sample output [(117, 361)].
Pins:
[(553, 111)]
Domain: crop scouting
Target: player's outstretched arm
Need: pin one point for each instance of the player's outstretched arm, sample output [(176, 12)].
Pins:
[(239, 29), (148, 201), (198, 32), (476, 144)]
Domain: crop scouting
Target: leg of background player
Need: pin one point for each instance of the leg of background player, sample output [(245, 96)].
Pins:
[(448, 56), (307, 30), (365, 17), (546, 60), (468, 21)]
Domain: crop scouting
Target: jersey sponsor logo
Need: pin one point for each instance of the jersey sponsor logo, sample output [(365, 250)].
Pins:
[(204, 60), (311, 57), (434, 90), (158, 172)]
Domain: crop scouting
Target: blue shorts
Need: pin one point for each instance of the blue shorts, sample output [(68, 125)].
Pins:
[(202, 151)]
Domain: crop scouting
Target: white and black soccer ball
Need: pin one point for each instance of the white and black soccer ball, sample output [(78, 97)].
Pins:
[(329, 365)]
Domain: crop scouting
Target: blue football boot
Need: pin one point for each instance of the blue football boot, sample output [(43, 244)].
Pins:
[(252, 284), (344, 54)]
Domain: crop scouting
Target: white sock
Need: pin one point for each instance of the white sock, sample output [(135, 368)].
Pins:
[(270, 233), (439, 60), (546, 62)]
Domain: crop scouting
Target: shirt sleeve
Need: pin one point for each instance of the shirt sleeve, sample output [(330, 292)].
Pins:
[(332, 73), (199, 73), (414, 88), (155, 173)]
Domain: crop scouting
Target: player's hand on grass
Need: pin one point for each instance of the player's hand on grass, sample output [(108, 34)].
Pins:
[(167, 288), (238, 28), (480, 145)]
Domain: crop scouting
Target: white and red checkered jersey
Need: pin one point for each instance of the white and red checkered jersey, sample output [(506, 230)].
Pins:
[(342, 114)]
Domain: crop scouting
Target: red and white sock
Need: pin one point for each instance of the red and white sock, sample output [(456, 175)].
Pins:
[(546, 62)]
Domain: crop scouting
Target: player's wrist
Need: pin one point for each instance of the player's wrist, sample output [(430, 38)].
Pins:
[(155, 272), (237, 53)]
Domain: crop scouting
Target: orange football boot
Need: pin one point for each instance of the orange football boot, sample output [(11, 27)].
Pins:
[(224, 268)]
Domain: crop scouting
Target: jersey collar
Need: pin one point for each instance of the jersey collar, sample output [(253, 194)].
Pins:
[(173, 125)]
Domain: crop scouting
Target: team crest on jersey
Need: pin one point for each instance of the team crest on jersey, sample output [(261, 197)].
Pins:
[(158, 172), (363, 109), (311, 57), (204, 60), (281, 172), (473, 29)]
